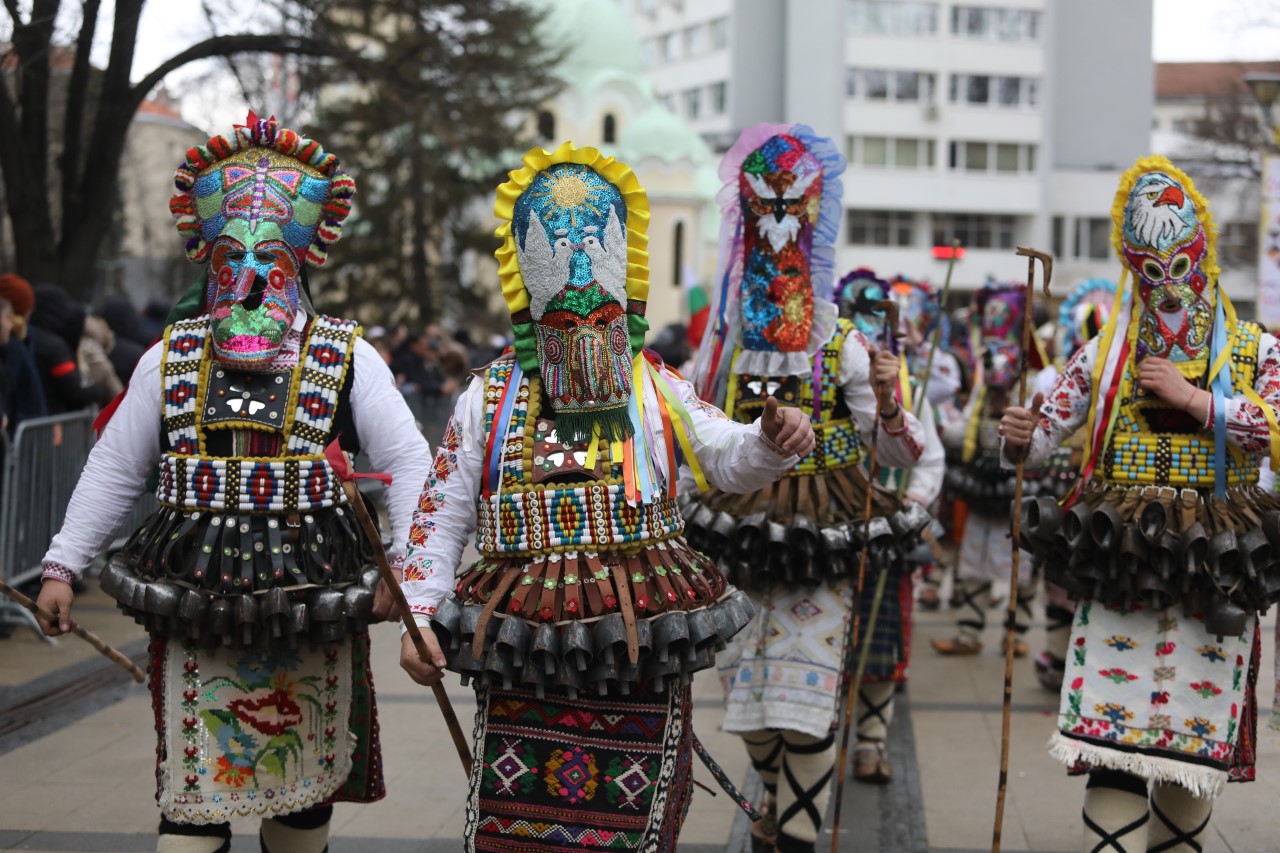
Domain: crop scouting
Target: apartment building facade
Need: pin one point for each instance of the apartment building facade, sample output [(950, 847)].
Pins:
[(997, 122)]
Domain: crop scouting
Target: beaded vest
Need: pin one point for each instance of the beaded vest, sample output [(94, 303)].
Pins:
[(1152, 444), (201, 396), (550, 498), (819, 395)]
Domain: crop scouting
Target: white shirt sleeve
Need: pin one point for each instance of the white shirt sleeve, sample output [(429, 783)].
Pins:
[(390, 437), (735, 457), (445, 517), (115, 475), (925, 483), (898, 449)]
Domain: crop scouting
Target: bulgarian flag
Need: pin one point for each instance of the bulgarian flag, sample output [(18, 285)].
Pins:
[(699, 313)]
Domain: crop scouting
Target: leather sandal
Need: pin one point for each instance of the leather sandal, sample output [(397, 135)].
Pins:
[(871, 765), (957, 646)]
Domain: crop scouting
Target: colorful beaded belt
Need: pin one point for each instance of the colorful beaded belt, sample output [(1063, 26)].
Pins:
[(594, 516), (247, 485)]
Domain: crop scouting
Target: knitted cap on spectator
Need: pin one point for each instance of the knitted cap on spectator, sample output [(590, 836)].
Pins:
[(17, 291)]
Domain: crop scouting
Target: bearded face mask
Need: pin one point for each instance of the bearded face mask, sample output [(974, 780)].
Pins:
[(259, 206), (572, 249), (781, 190), (1165, 245)]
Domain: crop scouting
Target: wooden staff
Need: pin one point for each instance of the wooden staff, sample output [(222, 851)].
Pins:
[(113, 654), (393, 586), (855, 624), (1028, 322), (937, 333)]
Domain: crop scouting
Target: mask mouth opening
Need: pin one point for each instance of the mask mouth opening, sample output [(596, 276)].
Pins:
[(1170, 304), (253, 301)]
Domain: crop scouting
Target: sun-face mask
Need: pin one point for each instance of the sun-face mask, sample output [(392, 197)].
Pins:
[(856, 293), (260, 206), (1165, 243), (1000, 310), (580, 308)]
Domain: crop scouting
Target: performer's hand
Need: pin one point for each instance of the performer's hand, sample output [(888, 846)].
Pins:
[(385, 608), (884, 370), (420, 671), (55, 597), (1018, 424), (787, 428), (1160, 377)]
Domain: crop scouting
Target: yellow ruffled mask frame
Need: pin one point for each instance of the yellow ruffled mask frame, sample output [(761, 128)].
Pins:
[(514, 290)]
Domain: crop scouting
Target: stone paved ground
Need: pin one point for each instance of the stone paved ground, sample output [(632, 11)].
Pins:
[(77, 753)]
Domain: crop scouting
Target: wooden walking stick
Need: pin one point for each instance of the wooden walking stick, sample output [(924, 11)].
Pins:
[(855, 624), (1028, 322), (348, 480), (937, 342), (113, 654)]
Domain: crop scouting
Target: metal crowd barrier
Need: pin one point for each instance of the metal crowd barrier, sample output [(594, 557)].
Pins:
[(41, 467)]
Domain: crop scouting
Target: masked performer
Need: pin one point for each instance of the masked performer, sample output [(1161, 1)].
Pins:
[(253, 577), (587, 612), (977, 477), (1170, 540), (777, 332), (891, 644), (1081, 317)]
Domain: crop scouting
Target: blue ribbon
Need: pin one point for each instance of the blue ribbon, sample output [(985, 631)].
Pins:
[(1220, 386), (501, 423)]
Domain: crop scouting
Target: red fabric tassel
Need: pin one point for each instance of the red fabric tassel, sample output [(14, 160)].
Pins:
[(338, 462)]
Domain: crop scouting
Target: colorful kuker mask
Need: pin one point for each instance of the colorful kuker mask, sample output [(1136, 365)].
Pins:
[(574, 219), (259, 205), (999, 310), (1084, 312), (856, 294), (1165, 235)]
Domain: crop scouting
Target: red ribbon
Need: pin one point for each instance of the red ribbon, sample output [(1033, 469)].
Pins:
[(338, 462)]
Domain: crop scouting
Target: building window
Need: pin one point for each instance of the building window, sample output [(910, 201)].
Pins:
[(692, 102), (609, 132), (1004, 157), (881, 151), (986, 90), (695, 41), (718, 30), (667, 47), (877, 84), (879, 227), (1059, 236), (982, 22), (546, 124), (974, 230), (719, 97), (1093, 238), (677, 256), (1238, 244), (648, 52), (891, 18)]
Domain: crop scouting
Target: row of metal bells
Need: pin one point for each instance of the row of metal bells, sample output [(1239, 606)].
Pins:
[(275, 618)]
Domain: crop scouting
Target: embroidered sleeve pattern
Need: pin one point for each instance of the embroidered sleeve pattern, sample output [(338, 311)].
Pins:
[(1247, 426), (419, 567), (58, 572), (1066, 407)]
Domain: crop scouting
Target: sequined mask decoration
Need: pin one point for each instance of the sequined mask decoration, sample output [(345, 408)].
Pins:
[(259, 205), (1164, 244), (781, 192), (1000, 309), (572, 249)]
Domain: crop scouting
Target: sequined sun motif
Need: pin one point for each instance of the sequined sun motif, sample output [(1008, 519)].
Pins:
[(568, 191)]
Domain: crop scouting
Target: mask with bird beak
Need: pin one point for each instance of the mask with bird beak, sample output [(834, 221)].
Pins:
[(1165, 236), (260, 206)]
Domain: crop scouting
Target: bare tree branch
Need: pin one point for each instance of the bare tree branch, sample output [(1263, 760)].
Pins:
[(73, 117)]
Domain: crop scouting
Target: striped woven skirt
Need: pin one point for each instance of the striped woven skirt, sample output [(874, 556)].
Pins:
[(559, 774)]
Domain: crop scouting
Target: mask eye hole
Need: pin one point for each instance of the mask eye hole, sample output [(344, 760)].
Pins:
[(264, 257), (1153, 271), (1180, 267), (236, 257)]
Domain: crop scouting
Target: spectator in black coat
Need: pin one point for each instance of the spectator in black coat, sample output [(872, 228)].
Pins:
[(21, 375), (123, 319), (56, 327)]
